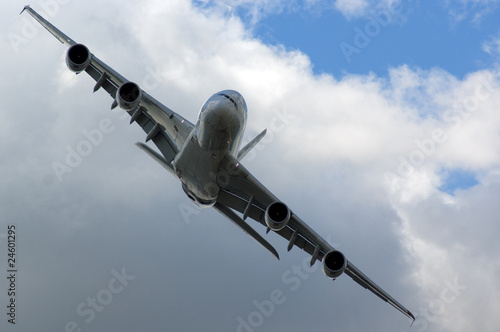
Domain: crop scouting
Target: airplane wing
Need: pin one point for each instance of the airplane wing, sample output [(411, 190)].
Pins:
[(243, 193), (167, 129), (240, 191)]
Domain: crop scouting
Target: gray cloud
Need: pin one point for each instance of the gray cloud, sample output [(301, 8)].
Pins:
[(118, 210)]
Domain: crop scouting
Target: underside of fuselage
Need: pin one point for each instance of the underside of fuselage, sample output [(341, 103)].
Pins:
[(218, 131)]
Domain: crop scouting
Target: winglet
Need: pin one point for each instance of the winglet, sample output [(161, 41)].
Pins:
[(412, 317), (50, 28), (25, 7), (365, 282)]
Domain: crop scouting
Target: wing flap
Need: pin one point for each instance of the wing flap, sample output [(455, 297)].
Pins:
[(239, 204), (242, 192), (367, 283), (174, 129), (110, 81), (102, 80)]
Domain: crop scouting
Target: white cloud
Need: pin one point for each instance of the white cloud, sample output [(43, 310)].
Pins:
[(364, 126), (474, 10), (118, 208), (359, 8), (492, 46), (351, 8), (258, 9)]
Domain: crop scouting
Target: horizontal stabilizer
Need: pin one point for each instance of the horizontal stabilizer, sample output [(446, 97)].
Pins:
[(156, 156), (245, 227), (243, 152)]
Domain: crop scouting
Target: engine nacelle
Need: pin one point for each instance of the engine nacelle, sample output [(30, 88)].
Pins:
[(78, 58), (334, 264), (277, 216), (128, 95)]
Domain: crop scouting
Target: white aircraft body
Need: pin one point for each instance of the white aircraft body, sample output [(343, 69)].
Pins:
[(205, 158)]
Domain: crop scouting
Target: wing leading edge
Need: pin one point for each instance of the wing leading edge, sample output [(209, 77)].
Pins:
[(242, 192), (167, 129)]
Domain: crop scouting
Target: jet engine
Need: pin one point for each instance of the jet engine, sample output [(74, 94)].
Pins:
[(277, 216), (334, 264), (128, 95), (78, 58)]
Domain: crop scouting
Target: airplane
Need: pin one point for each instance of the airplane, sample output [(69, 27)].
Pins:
[(206, 156)]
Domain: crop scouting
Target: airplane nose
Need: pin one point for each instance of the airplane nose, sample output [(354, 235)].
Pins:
[(223, 111), (229, 98), (220, 117), (221, 121), (235, 98)]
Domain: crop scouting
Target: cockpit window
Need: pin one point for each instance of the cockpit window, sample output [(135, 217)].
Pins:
[(231, 99)]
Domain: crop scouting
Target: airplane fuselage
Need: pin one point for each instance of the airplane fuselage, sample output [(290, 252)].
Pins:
[(195, 152), (218, 131)]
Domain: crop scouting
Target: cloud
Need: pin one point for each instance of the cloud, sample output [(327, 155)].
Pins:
[(360, 157), (351, 8), (359, 8), (473, 9), (492, 46), (256, 10)]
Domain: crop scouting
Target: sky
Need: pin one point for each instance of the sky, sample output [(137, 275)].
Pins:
[(383, 135)]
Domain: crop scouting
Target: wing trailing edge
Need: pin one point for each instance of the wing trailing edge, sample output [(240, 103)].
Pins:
[(63, 38)]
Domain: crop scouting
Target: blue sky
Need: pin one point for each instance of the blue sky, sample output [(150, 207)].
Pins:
[(418, 33), (457, 179), (422, 34)]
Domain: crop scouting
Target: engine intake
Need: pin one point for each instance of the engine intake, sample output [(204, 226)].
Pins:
[(128, 96), (78, 58), (277, 216), (334, 264)]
